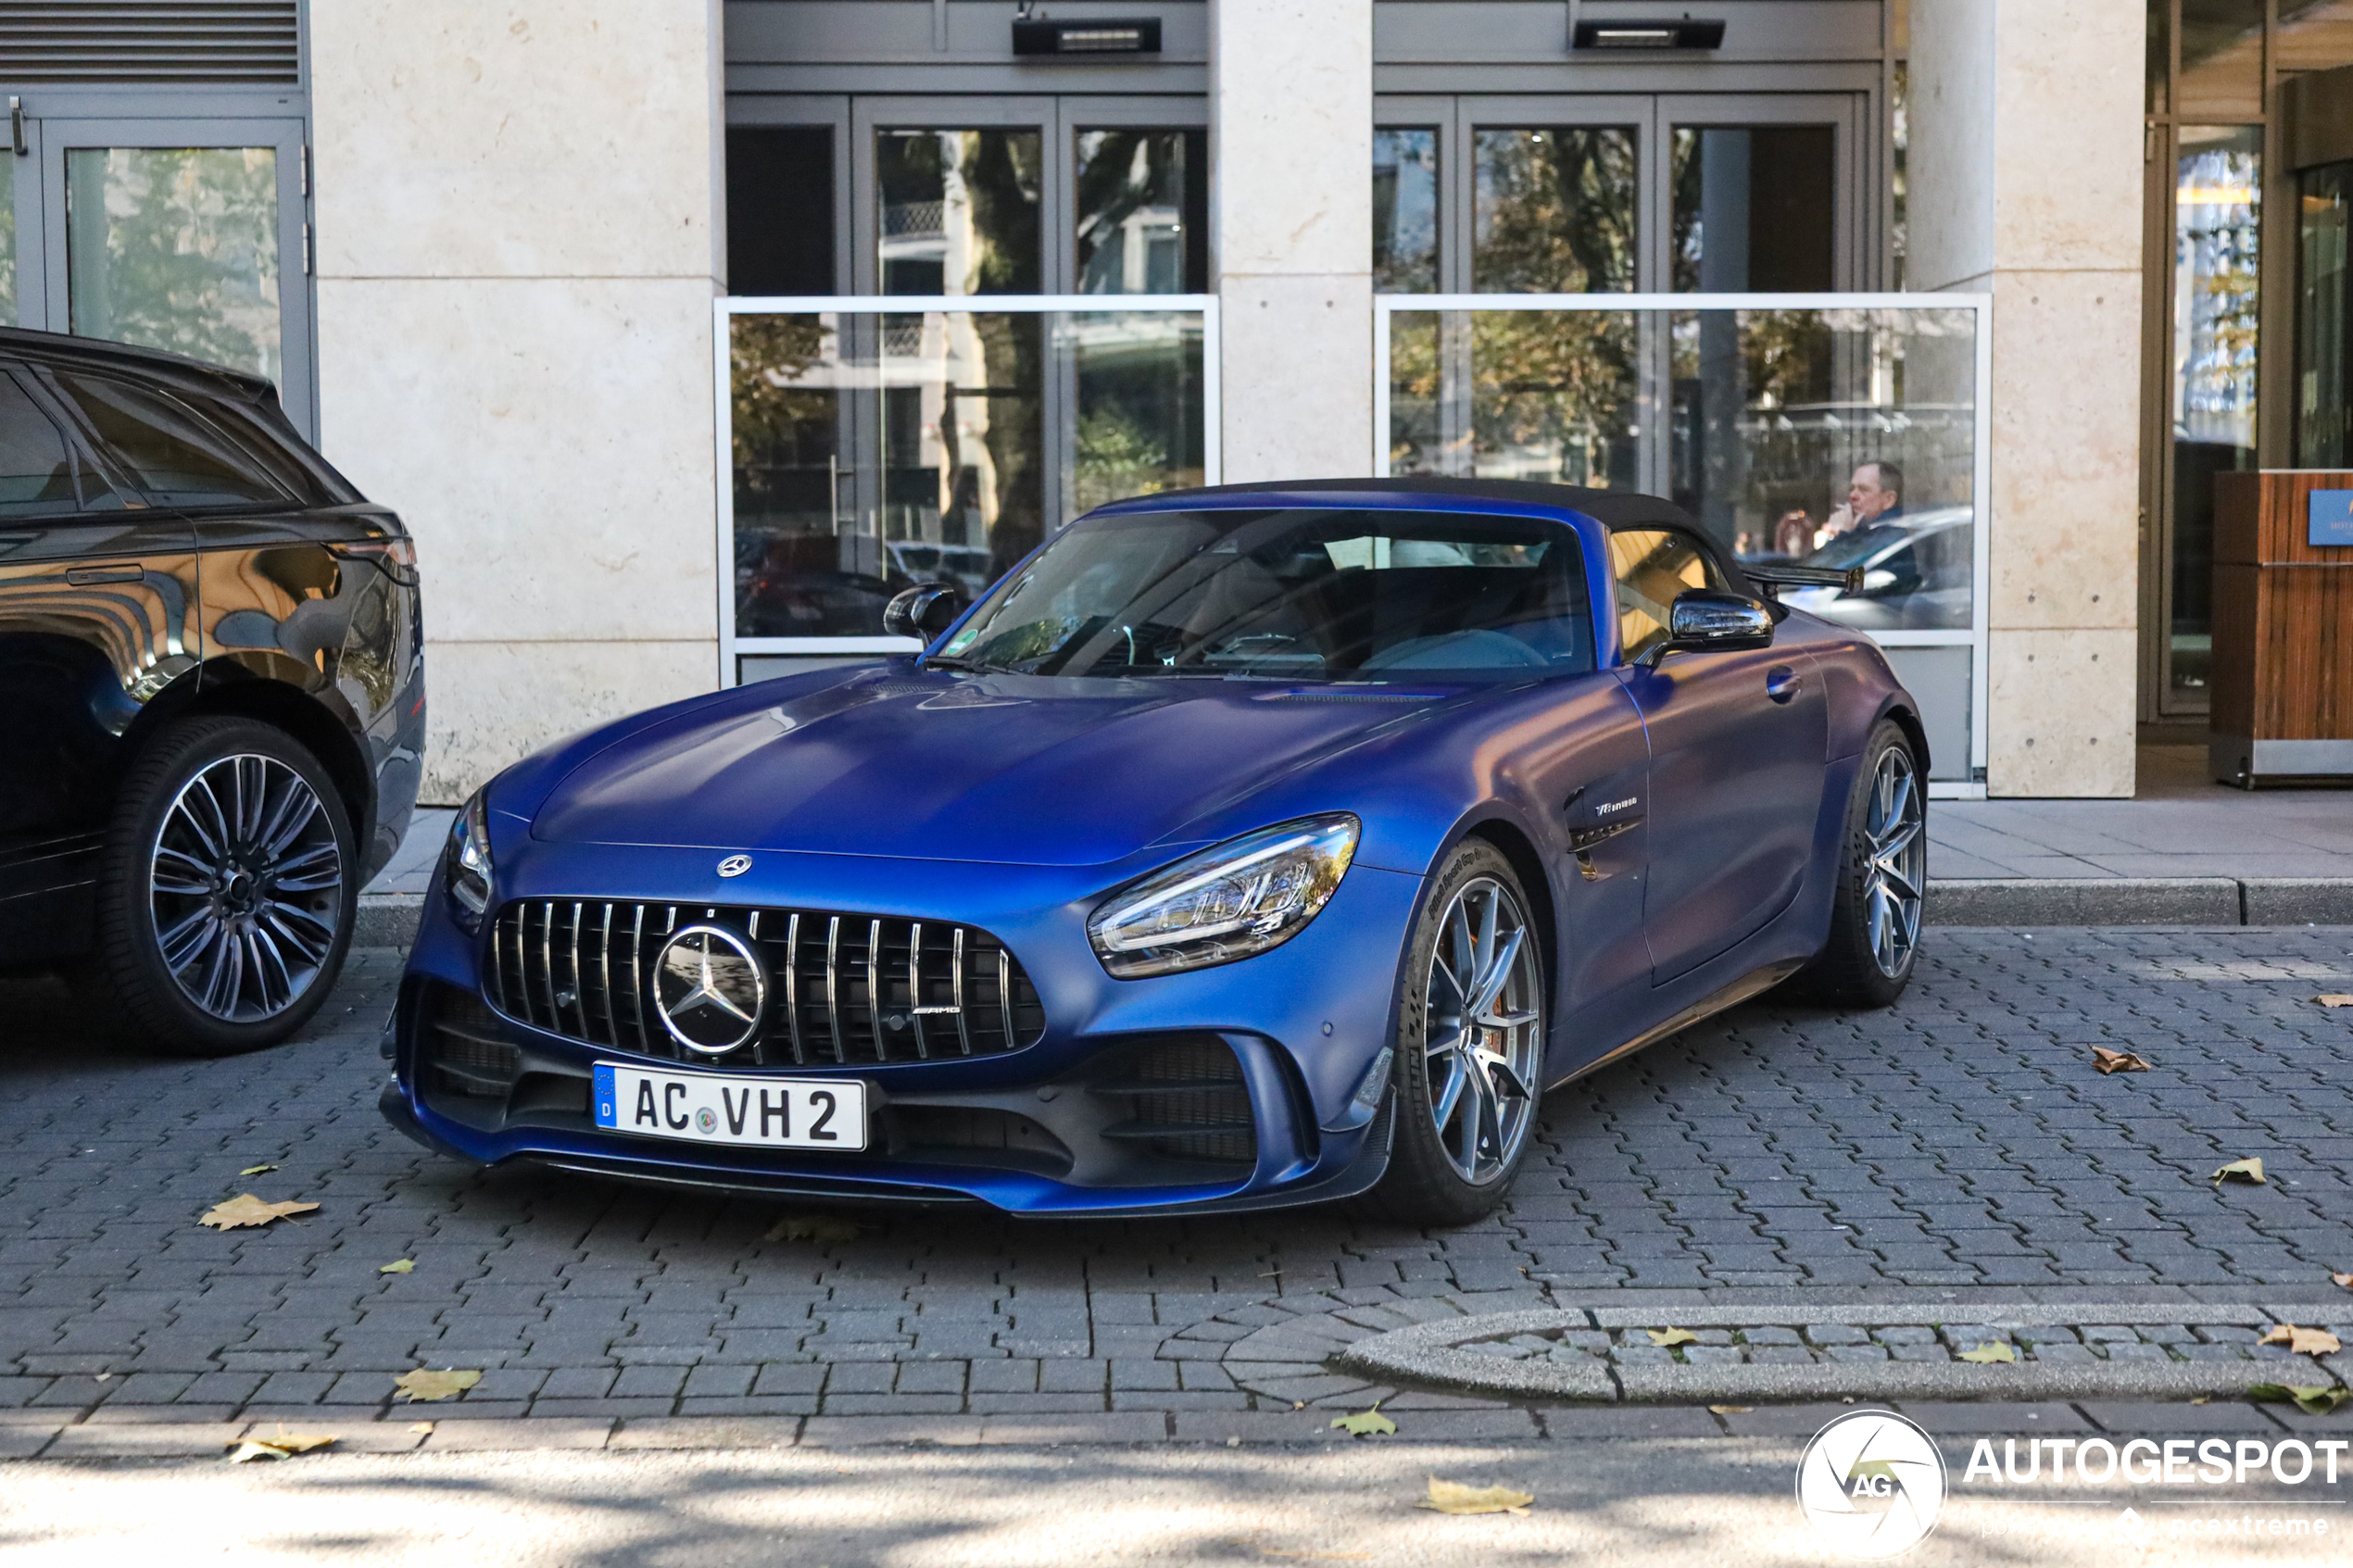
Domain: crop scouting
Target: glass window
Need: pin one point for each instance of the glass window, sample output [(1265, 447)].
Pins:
[(1142, 211), (780, 210), (2323, 309), (957, 211), (2221, 59), (1653, 567), (37, 467), (2160, 53), (7, 242), (1553, 211), (2217, 224), (2313, 36), (177, 458), (1405, 210), (176, 248), (1292, 595), (1754, 208)]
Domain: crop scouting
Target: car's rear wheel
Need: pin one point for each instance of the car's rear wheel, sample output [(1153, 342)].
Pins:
[(1470, 1045), (1882, 880), (226, 890)]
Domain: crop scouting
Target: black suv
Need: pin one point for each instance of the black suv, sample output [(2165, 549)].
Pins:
[(212, 705)]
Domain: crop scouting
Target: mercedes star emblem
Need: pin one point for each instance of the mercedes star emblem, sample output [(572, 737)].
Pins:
[(735, 865), (710, 989)]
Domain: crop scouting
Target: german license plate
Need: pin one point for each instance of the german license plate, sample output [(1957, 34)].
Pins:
[(708, 1107)]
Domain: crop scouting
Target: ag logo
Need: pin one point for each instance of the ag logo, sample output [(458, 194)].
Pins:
[(1871, 1484)]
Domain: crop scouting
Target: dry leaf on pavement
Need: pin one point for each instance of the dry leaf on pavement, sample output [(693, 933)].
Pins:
[(397, 1266), (2109, 1061), (2345, 1280), (2334, 999), (1730, 1410), (256, 1170), (246, 1210), (281, 1444), (2311, 1401), (811, 1227), (2302, 1341), (421, 1426), (2246, 1170), (1366, 1423), (1986, 1355), (426, 1384), (1672, 1336), (1452, 1496)]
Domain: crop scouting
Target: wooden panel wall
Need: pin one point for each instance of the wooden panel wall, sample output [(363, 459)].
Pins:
[(2283, 612)]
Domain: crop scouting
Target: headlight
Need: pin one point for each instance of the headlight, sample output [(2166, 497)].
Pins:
[(469, 863), (1230, 901)]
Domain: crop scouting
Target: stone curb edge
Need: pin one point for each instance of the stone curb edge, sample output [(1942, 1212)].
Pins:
[(389, 919), (1426, 1354)]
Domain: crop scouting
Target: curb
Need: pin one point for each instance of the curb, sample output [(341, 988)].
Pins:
[(1431, 1355), (386, 919)]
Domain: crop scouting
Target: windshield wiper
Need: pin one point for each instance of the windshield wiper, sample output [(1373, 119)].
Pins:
[(948, 661)]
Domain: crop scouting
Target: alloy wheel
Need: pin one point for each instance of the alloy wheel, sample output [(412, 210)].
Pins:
[(1897, 861), (245, 886), (1485, 1037)]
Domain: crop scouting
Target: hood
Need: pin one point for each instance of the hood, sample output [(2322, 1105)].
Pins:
[(1019, 769)]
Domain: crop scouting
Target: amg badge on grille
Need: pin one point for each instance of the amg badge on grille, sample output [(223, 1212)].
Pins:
[(735, 865), (710, 989)]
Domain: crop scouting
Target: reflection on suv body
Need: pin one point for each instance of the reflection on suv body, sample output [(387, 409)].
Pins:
[(211, 678), (1916, 572)]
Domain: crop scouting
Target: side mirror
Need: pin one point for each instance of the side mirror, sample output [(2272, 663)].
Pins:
[(923, 611), (1705, 618)]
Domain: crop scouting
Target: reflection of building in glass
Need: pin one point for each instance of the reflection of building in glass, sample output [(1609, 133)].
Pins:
[(2216, 237)]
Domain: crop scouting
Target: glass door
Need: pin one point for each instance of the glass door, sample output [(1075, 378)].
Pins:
[(187, 236)]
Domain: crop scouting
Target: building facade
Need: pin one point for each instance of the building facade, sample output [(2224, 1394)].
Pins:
[(683, 332)]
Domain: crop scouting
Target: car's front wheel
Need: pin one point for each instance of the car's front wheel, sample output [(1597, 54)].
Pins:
[(226, 891), (1882, 880), (1470, 1042)]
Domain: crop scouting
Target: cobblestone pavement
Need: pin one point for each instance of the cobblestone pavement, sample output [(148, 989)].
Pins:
[(1959, 1140)]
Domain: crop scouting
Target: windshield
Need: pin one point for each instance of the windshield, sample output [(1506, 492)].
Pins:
[(1300, 594)]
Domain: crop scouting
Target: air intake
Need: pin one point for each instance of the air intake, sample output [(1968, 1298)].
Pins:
[(100, 42)]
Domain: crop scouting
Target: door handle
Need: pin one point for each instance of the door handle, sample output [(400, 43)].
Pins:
[(1781, 682), (91, 576)]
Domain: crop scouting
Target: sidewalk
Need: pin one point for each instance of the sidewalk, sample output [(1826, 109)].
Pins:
[(2187, 852)]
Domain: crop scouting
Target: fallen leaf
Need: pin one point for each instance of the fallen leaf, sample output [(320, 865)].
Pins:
[(2302, 1341), (2334, 999), (426, 1384), (421, 1426), (2311, 1401), (1986, 1355), (1366, 1423), (1299, 1404), (2117, 1062), (246, 1210), (2202, 1399), (1452, 1496), (282, 1444), (397, 1266), (2248, 1170), (246, 1453), (256, 1170), (2345, 1280), (819, 1229), (1731, 1410), (1672, 1336)]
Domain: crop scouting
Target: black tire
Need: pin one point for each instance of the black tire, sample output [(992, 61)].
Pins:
[(258, 953), (1443, 1168), (1882, 875)]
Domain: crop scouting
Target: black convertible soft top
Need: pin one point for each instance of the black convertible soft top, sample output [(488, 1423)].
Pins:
[(1611, 508)]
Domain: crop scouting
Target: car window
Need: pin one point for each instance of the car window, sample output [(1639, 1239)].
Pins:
[(175, 456), (1298, 594), (37, 477), (1653, 565)]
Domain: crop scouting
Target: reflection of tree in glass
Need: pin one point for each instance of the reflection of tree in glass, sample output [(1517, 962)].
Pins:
[(1118, 458), (7, 243), (1010, 354), (959, 211), (1551, 394), (1556, 212), (1138, 177), (776, 418), (177, 248)]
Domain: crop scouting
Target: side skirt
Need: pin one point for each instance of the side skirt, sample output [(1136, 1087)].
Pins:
[(1739, 991)]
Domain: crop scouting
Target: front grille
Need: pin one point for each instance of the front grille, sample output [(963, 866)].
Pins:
[(468, 1055), (842, 988), (1188, 1100)]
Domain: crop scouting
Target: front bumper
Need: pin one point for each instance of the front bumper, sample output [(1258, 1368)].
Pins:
[(1047, 1129)]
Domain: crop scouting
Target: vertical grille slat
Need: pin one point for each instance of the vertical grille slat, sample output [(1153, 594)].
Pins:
[(562, 965)]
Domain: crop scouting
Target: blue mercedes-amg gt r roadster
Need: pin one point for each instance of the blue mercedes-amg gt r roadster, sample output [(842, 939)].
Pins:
[(1243, 847)]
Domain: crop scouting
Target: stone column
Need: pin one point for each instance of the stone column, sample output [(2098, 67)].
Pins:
[(2025, 164), (1291, 198), (517, 229)]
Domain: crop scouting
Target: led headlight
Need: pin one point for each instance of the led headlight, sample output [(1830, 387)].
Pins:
[(1230, 901), (468, 863)]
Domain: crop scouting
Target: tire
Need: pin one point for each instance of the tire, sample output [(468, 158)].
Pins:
[(226, 891), (1882, 873), (1465, 1113)]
